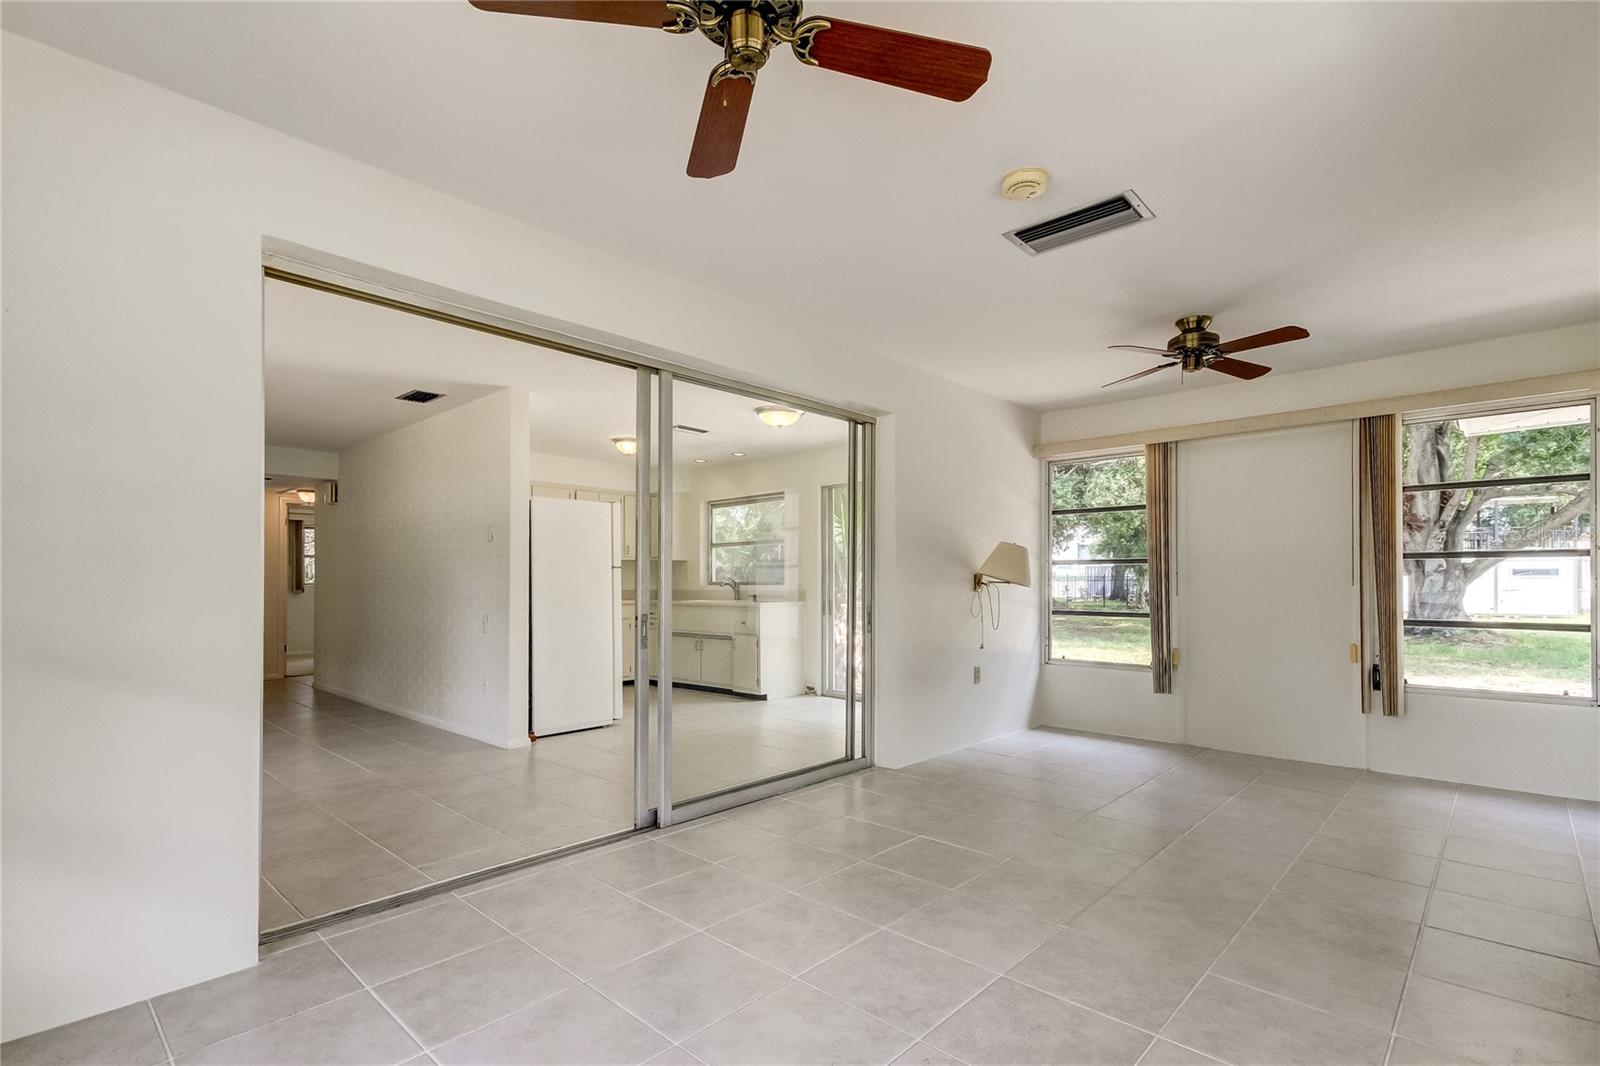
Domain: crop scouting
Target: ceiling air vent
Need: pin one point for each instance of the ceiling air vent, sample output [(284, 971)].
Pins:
[(1096, 218), (419, 396), (690, 429)]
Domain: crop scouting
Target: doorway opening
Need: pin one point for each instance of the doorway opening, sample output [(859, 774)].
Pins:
[(565, 596)]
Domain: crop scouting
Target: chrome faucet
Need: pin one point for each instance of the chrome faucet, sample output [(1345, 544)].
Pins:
[(732, 584)]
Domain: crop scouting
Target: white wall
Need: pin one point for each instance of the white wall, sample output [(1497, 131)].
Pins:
[(419, 567), (588, 473), (1225, 519), (133, 227), (801, 475), (1268, 595), (308, 463)]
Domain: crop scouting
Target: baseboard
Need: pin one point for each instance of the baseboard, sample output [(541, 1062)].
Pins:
[(418, 716)]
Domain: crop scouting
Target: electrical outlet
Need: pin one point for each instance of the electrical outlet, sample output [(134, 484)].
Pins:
[(977, 674)]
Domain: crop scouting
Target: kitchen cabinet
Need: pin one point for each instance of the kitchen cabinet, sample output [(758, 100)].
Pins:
[(700, 659), (685, 524), (685, 659), (716, 661), (746, 665), (751, 647), (629, 630)]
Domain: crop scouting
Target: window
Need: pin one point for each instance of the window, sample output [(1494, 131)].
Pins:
[(308, 554), (1099, 571), (1497, 522), (747, 540)]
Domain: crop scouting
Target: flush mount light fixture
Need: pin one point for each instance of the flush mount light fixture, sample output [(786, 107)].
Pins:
[(778, 417), (306, 495), (626, 445), (702, 460), (738, 455)]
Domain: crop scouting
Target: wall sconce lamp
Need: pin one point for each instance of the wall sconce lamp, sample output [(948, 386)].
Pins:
[(1006, 565)]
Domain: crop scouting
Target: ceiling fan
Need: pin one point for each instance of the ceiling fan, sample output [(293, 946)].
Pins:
[(746, 31), (1196, 348)]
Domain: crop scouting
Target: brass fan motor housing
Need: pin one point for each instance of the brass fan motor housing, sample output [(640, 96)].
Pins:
[(1194, 334), (747, 45)]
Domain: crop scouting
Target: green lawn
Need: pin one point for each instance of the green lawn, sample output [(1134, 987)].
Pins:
[(1513, 660), (1508, 660), (1104, 640)]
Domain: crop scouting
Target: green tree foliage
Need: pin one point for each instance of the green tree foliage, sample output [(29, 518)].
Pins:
[(1105, 535), (1505, 517)]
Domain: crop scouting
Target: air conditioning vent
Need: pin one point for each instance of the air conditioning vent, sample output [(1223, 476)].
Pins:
[(1121, 210), (419, 396), (690, 429)]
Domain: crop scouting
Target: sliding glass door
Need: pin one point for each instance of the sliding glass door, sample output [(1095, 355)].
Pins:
[(758, 578)]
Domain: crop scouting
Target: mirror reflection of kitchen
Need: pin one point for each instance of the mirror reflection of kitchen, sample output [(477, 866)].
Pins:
[(759, 576), (756, 638)]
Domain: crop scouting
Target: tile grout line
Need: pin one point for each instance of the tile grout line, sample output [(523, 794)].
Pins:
[(1231, 940), (1422, 925), (160, 1030), (384, 1006)]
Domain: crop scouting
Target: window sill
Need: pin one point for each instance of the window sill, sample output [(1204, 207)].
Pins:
[(1104, 666), (1500, 697)]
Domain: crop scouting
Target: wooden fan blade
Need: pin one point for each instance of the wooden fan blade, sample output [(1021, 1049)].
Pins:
[(1139, 348), (1238, 368), (1261, 340), (944, 69), (1140, 374), (721, 129), (651, 13)]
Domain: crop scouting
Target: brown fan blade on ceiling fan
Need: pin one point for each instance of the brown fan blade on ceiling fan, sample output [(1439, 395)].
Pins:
[(1238, 368), (1139, 348), (1140, 374), (721, 129), (922, 64), (1261, 340), (651, 13)]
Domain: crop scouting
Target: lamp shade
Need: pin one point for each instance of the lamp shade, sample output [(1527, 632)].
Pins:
[(1008, 563)]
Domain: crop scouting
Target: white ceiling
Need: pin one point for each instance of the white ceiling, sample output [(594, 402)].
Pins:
[(334, 366), (1392, 176)]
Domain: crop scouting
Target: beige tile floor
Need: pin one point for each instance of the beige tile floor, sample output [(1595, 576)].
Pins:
[(358, 803), (1042, 898)]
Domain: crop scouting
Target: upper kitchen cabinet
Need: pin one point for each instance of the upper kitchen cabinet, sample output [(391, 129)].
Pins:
[(685, 526)]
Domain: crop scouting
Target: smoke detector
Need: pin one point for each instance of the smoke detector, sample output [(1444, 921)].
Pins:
[(1024, 184)]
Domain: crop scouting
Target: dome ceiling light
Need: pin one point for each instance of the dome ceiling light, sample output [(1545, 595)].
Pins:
[(778, 417)]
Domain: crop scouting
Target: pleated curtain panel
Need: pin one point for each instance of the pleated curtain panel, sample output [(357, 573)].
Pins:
[(1158, 463), (1378, 492)]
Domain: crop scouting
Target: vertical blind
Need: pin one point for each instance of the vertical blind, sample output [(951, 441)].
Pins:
[(1378, 492), (1158, 481)]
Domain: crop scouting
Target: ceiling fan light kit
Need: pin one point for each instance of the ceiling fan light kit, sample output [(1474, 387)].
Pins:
[(746, 31), (1197, 348)]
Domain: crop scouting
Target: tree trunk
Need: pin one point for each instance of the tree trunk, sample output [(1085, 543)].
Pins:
[(1439, 588)]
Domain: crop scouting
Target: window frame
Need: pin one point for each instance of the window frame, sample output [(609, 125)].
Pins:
[(1592, 477), (712, 544), (1047, 597)]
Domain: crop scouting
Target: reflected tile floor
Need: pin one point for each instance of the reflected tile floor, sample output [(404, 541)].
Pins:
[(358, 803), (1045, 897)]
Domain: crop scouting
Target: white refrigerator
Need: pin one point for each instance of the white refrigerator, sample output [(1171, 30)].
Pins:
[(574, 615)]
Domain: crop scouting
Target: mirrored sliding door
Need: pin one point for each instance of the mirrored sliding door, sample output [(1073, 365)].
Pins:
[(760, 574)]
